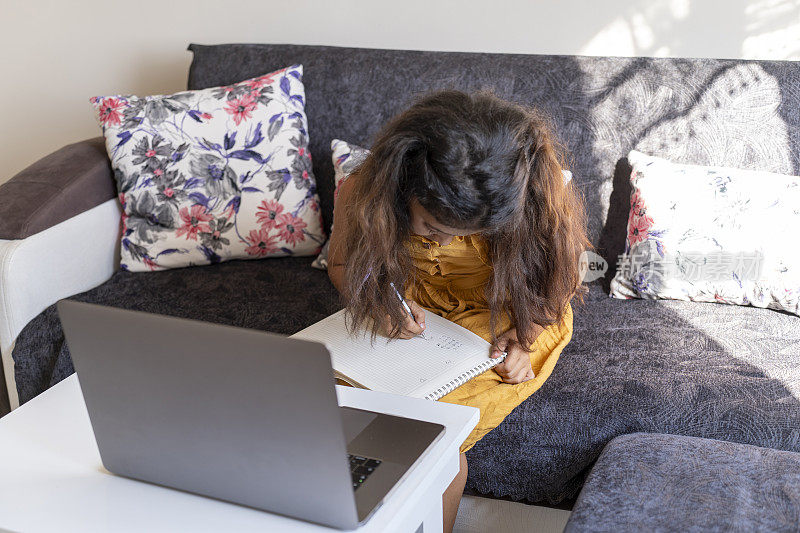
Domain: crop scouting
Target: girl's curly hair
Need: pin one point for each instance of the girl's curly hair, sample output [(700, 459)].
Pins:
[(472, 160)]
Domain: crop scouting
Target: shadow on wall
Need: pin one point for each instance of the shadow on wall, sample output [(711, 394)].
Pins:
[(756, 28)]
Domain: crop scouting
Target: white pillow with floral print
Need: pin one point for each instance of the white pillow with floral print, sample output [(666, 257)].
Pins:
[(214, 174), (346, 157), (710, 234)]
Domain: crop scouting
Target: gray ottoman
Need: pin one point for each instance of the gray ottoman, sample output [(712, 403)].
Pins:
[(658, 482)]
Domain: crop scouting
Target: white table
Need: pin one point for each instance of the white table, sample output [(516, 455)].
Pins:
[(52, 479)]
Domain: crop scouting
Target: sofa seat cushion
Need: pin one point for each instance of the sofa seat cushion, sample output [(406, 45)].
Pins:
[(656, 482), (281, 295), (662, 366)]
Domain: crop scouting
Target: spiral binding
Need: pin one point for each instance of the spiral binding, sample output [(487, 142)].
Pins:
[(463, 378)]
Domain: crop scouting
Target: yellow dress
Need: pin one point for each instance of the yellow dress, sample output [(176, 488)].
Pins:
[(450, 281)]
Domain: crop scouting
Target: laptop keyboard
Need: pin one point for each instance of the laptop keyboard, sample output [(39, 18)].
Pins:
[(361, 468)]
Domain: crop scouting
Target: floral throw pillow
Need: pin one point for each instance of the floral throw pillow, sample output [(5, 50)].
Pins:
[(215, 174), (346, 157), (710, 234)]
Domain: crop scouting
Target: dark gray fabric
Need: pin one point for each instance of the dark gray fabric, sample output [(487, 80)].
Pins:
[(5, 406), (654, 482), (664, 366), (703, 369), (281, 295), (59, 186)]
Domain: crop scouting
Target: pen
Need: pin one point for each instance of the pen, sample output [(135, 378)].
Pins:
[(405, 305)]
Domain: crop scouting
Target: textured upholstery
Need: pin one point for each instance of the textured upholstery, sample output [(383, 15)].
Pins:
[(702, 369), (280, 295), (655, 482), (59, 186)]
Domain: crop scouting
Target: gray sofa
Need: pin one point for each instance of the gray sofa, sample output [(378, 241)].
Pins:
[(698, 369)]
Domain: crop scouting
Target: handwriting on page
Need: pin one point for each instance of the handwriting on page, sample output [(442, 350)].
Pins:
[(447, 343)]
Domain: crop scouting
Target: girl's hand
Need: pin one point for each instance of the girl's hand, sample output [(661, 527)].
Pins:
[(516, 367), (410, 327)]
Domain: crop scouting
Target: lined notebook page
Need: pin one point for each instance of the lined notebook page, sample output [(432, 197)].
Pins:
[(412, 367)]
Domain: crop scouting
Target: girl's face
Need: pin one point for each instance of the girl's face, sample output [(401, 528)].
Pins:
[(423, 223)]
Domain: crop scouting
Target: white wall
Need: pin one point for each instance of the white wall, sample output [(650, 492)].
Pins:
[(58, 53)]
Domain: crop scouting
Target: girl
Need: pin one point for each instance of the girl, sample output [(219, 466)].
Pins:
[(462, 202)]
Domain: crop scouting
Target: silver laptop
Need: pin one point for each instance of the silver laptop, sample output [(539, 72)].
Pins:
[(237, 414)]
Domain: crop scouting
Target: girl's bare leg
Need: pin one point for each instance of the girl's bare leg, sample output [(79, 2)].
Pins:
[(452, 496)]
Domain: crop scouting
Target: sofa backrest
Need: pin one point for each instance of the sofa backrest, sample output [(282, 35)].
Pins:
[(737, 113)]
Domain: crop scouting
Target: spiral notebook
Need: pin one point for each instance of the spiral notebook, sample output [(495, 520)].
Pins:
[(428, 366)]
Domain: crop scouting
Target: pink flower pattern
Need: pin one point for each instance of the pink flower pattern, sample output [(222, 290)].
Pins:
[(268, 213), (194, 220), (241, 108), (261, 243), (638, 221), (637, 229), (290, 228), (110, 111)]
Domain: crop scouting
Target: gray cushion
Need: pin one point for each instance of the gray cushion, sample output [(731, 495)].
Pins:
[(654, 482)]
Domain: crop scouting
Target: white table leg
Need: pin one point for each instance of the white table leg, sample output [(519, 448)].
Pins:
[(434, 521)]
